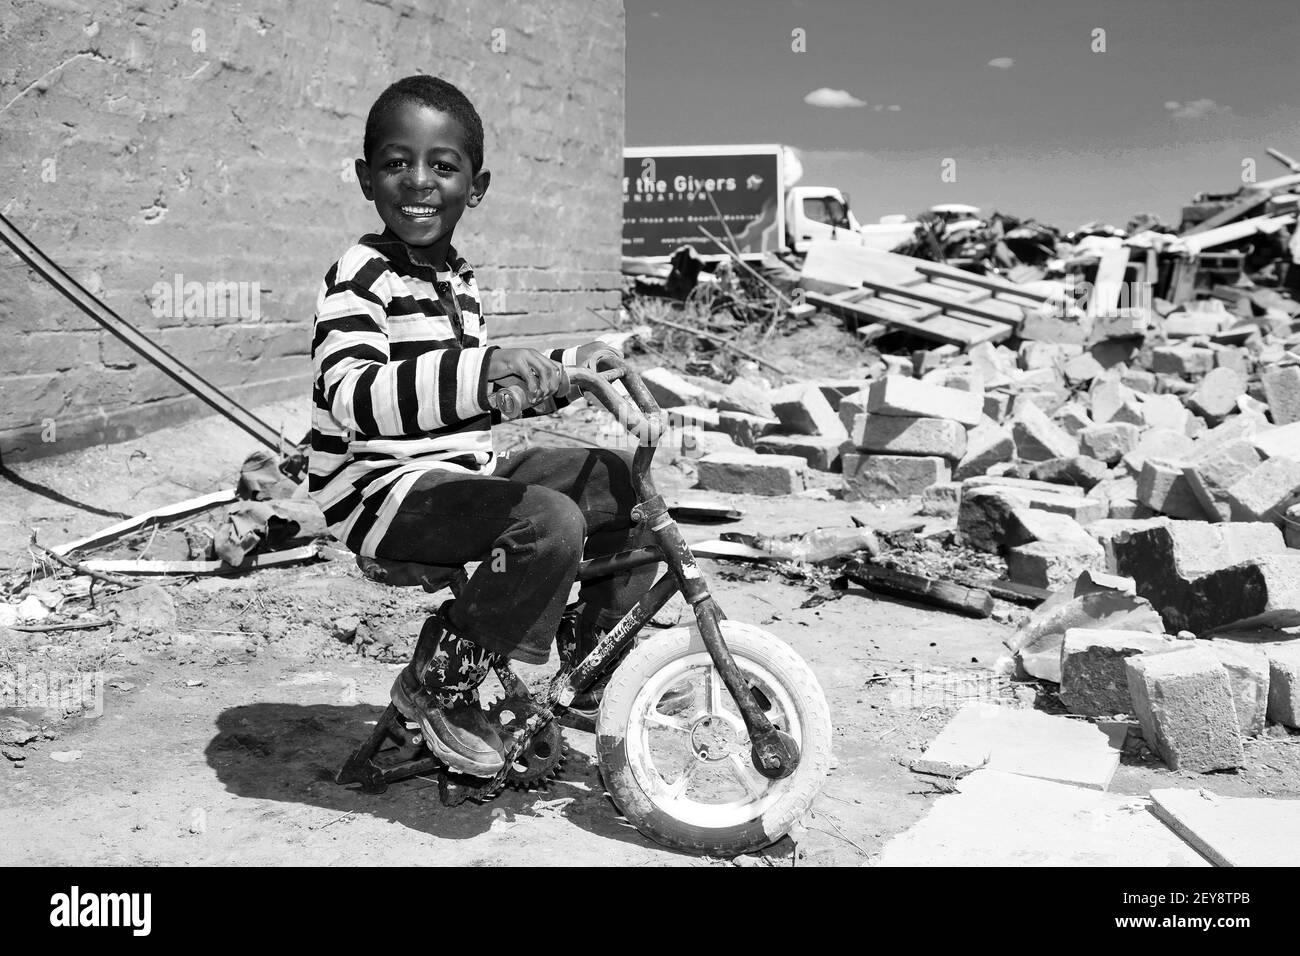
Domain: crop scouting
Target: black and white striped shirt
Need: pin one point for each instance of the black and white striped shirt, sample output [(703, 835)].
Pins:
[(399, 360)]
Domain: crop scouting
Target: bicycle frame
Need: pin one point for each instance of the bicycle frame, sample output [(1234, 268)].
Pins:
[(775, 754)]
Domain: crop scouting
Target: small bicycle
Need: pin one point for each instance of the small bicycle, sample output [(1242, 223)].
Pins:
[(713, 738)]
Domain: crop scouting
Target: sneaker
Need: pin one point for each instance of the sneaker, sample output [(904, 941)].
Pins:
[(459, 736)]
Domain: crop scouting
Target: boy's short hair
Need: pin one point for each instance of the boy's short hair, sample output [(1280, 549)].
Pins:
[(437, 94)]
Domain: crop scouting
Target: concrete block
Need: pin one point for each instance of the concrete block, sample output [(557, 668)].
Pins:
[(985, 513), (1248, 675), (1130, 412), (1162, 443), (671, 390), (1232, 831), (1054, 564), (1010, 820), (1079, 471), (1119, 495), (909, 398), (1216, 397), (1110, 442), (1033, 524), (1266, 491), (1279, 442), (745, 429), (748, 396), (1211, 475), (1108, 531), (996, 405), (870, 477), (1183, 700), (836, 390), (1201, 576), (1165, 411), (964, 378), (819, 451), (986, 445), (1028, 743), (1187, 325), (1183, 360), (1073, 417), (1094, 679), (1282, 392), (1037, 438), (1106, 398), (693, 416), (851, 406), (891, 435), (1140, 380), (744, 474), (696, 443), (1284, 684), (1081, 369), (802, 409), (941, 499), (1163, 488)]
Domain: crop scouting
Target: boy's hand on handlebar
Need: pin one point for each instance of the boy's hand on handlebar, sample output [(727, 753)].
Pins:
[(539, 376), (591, 348)]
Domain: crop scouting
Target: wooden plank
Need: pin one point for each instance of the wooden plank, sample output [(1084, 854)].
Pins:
[(272, 559), (1109, 282), (1242, 207), (952, 597), (945, 303), (997, 286), (927, 322), (173, 512)]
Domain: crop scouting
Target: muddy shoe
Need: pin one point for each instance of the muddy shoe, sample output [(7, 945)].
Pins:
[(460, 736)]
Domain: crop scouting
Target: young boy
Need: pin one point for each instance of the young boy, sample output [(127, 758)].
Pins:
[(402, 462)]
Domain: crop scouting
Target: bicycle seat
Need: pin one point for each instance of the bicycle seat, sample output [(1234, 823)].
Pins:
[(408, 574)]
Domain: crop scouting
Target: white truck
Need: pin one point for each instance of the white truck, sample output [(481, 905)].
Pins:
[(741, 196)]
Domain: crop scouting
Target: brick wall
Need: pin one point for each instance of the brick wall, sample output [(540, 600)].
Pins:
[(151, 145)]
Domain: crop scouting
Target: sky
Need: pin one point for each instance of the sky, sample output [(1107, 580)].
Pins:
[(1034, 121)]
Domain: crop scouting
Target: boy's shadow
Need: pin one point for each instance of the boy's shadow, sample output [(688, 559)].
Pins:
[(291, 752)]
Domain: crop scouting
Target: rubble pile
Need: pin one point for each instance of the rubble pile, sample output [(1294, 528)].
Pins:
[(1114, 414)]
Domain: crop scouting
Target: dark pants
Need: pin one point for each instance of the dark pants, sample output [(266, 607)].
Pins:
[(527, 524)]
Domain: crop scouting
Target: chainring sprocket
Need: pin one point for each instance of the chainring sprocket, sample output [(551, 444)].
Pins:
[(543, 758)]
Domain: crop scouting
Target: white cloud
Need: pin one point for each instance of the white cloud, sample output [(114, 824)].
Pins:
[(830, 99), (1194, 109), (1002, 62)]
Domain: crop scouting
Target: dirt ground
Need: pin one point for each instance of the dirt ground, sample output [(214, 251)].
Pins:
[(220, 732)]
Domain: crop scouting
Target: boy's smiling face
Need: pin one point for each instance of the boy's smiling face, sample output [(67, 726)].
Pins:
[(420, 177)]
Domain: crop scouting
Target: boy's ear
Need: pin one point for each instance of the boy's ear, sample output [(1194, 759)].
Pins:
[(478, 187), (363, 177)]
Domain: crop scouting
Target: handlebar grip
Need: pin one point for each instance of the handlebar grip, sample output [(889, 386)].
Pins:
[(511, 399)]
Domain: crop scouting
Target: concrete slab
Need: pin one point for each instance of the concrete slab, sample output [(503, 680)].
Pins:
[(1233, 831), (1002, 819), (1024, 742)]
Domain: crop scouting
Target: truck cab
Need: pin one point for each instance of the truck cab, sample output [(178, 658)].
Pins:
[(814, 213)]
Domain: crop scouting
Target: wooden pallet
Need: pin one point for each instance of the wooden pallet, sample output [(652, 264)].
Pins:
[(876, 292)]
